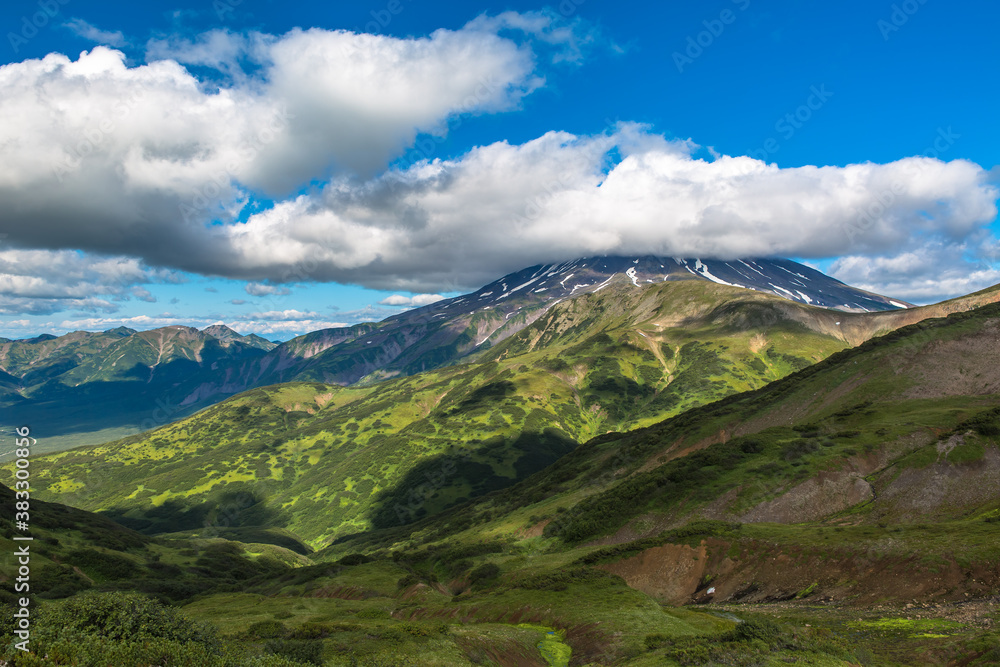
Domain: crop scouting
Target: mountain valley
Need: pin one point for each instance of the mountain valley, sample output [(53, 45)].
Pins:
[(90, 388), (679, 472)]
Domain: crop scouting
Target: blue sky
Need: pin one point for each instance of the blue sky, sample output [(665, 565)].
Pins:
[(611, 126)]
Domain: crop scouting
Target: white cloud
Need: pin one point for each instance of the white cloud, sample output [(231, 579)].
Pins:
[(95, 34), (259, 289), (143, 294), (285, 329), (113, 159), (569, 39), (154, 164), (44, 281), (416, 300), (281, 327), (279, 315), (137, 322), (923, 275), (460, 223)]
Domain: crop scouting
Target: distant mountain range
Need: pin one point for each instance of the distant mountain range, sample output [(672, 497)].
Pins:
[(325, 461), (584, 474), (87, 382), (115, 382)]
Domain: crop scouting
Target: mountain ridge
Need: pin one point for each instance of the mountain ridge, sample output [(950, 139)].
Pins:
[(844, 511), (608, 361), (433, 336)]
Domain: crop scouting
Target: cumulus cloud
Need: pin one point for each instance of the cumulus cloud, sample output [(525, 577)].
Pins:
[(922, 275), (282, 315), (153, 163), (444, 225), (43, 281), (286, 329), (143, 294), (278, 327), (114, 159), (416, 300), (453, 224), (137, 322), (569, 39)]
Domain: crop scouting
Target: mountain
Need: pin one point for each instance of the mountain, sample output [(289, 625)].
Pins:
[(856, 499), (846, 513), (555, 282), (455, 329), (227, 336), (114, 381), (327, 461), (93, 387)]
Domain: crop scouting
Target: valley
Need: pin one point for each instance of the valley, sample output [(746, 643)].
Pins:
[(326, 461), (682, 473), (91, 387)]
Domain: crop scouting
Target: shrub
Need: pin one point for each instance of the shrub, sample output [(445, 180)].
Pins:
[(354, 559), (309, 651), (754, 629), (484, 573), (103, 564), (266, 629), (122, 616)]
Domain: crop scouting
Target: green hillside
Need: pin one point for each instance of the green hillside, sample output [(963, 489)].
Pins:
[(856, 499), (845, 514), (114, 382), (326, 461)]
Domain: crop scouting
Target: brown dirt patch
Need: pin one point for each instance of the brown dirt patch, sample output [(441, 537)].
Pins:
[(669, 573), (762, 572), (535, 530), (967, 366), (941, 490), (813, 499)]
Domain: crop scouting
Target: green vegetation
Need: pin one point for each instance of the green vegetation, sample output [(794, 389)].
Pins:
[(459, 523), (325, 462), (116, 381), (95, 630)]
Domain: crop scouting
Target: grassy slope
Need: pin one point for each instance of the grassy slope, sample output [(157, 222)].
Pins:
[(893, 398), (83, 383), (872, 410), (74, 550), (423, 597), (327, 461)]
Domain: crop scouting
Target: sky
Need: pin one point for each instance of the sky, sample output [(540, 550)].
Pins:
[(286, 167)]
